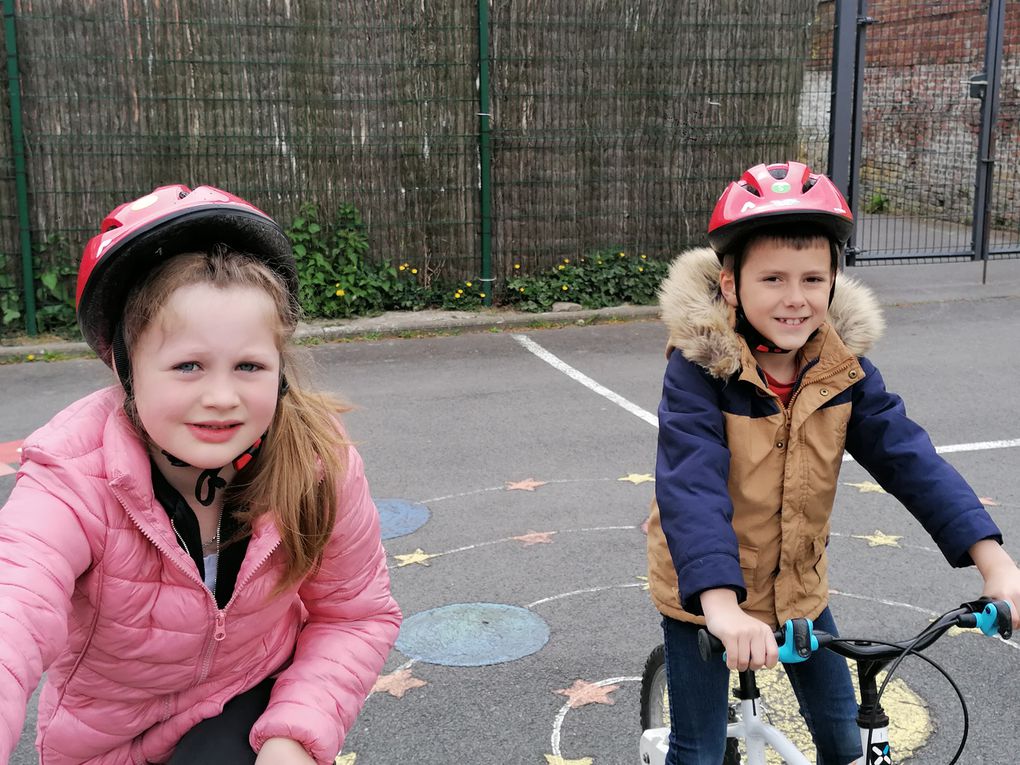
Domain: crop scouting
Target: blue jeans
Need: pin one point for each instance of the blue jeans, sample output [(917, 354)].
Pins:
[(699, 700)]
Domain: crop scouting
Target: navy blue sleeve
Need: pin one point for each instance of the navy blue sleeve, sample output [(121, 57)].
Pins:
[(899, 455), (692, 467)]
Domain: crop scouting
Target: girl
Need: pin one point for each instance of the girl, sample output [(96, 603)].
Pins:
[(192, 556)]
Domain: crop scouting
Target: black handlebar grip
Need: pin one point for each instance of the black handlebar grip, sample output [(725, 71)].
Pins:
[(708, 645)]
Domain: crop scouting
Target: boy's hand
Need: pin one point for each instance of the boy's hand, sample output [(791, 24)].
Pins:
[(1001, 575), (283, 751), (749, 643)]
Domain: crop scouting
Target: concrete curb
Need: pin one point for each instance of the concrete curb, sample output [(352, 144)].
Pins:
[(897, 285), (397, 323)]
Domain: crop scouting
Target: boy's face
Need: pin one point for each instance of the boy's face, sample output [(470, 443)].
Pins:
[(206, 373), (784, 292)]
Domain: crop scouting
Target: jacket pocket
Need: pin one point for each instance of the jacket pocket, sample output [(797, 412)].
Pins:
[(748, 565)]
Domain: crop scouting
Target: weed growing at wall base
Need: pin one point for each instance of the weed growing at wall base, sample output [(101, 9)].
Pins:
[(598, 280)]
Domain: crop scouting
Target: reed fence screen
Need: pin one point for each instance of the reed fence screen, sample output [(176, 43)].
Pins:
[(613, 125)]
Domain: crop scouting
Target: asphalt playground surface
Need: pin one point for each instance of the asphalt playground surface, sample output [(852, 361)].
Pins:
[(512, 488)]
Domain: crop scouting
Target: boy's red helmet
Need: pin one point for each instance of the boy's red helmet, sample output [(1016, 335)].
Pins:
[(787, 192), (137, 236)]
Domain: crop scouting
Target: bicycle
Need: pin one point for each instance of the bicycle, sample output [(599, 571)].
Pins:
[(797, 640)]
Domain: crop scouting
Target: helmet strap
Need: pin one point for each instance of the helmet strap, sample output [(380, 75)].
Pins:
[(755, 339), (209, 481), (121, 359)]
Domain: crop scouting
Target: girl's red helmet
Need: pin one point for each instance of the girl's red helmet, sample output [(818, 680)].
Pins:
[(137, 236), (786, 192)]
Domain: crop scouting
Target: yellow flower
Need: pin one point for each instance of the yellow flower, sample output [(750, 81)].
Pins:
[(402, 267), (337, 284), (31, 357), (468, 283), (561, 267), (457, 296), (340, 293), (599, 262), (566, 260), (644, 257), (414, 270), (564, 288), (641, 269), (520, 289), (621, 254), (481, 294), (517, 266)]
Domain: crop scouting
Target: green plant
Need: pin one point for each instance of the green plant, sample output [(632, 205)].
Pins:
[(602, 278), (55, 286), (876, 203), (336, 277)]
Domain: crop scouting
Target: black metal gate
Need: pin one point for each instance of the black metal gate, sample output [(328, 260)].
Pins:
[(925, 119)]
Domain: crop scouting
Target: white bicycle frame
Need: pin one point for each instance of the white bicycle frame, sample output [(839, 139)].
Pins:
[(757, 734)]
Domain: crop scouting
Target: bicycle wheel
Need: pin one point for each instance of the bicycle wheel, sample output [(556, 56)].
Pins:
[(655, 701)]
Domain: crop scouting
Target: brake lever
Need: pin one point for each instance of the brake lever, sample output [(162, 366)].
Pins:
[(992, 617)]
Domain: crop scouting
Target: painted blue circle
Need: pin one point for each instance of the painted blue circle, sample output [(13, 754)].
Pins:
[(398, 517), (472, 634)]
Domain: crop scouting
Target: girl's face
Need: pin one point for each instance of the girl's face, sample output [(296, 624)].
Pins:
[(784, 291), (206, 373)]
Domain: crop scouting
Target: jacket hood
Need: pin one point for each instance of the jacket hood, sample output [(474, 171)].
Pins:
[(700, 322)]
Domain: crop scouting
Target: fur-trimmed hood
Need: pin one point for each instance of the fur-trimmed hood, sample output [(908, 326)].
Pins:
[(700, 322)]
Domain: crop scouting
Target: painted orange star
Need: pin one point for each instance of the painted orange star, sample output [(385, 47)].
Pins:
[(397, 683), (528, 484), (582, 693), (535, 538)]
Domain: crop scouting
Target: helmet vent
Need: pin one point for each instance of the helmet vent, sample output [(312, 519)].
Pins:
[(777, 172), (751, 189), (809, 183)]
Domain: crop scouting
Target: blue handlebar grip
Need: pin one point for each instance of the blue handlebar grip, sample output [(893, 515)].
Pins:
[(788, 653), (988, 620)]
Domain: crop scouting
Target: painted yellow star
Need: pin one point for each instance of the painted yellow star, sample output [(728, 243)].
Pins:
[(879, 539), (636, 478), (418, 556), (346, 759), (645, 580), (867, 487), (553, 759)]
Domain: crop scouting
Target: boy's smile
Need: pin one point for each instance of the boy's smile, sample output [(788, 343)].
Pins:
[(784, 291), (207, 373)]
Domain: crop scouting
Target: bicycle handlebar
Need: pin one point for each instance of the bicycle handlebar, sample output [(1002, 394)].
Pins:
[(797, 638)]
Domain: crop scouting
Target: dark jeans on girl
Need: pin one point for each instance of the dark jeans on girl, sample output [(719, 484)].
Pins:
[(224, 738)]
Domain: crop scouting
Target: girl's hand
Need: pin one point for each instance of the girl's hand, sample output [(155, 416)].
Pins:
[(1001, 575), (749, 643), (283, 751)]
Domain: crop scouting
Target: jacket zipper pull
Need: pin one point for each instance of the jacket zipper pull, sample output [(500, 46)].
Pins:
[(221, 627)]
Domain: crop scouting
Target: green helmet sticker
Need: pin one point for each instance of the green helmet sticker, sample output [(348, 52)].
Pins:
[(780, 187)]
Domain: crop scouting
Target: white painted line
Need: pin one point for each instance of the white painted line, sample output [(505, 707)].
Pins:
[(653, 420), (979, 446), (557, 363), (558, 720)]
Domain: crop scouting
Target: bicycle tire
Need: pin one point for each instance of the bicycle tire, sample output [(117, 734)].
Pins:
[(655, 703)]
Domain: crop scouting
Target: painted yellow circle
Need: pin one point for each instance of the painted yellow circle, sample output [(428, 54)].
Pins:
[(909, 726)]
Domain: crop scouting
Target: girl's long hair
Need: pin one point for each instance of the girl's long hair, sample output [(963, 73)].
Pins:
[(303, 460)]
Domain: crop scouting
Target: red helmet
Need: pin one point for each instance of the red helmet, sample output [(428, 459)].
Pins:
[(137, 236), (779, 193)]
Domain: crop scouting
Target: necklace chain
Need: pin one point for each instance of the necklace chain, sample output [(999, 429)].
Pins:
[(215, 541)]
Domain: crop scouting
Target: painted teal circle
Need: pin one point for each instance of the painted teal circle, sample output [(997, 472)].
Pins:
[(398, 517), (472, 634)]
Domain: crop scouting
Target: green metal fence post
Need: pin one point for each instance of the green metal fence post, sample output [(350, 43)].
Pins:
[(484, 150), (20, 180)]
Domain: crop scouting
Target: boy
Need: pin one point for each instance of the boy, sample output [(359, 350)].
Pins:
[(765, 387)]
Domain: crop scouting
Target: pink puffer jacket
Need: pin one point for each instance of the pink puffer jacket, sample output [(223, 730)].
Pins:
[(135, 649)]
